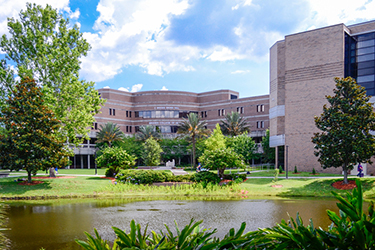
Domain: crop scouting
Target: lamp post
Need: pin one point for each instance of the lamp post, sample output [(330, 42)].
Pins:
[(286, 161)]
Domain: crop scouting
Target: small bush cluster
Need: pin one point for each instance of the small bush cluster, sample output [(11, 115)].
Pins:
[(206, 177), (149, 177), (234, 177)]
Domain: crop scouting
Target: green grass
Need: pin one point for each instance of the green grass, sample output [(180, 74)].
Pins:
[(92, 186), (270, 173), (302, 187)]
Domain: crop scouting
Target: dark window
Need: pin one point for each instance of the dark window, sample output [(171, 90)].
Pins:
[(364, 58), (363, 65), (136, 113), (205, 113), (114, 111), (223, 112), (364, 51), (130, 129), (127, 113), (233, 97), (366, 37), (242, 110), (367, 85), (202, 114), (363, 44), (370, 92), (219, 112), (110, 111), (136, 128), (130, 114), (127, 129), (368, 71)]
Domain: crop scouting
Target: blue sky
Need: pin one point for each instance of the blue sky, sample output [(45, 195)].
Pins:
[(190, 45)]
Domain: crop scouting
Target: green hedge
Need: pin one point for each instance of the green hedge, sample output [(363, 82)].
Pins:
[(150, 176)]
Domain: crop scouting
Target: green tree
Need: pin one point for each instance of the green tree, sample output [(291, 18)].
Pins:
[(221, 159), (109, 134), (268, 152), (244, 145), (174, 149), (45, 47), (30, 142), (152, 152), (234, 124), (346, 123), (147, 131), (115, 158), (131, 145), (216, 140), (193, 128)]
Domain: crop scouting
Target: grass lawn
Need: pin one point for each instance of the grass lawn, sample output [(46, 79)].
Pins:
[(83, 186), (303, 187)]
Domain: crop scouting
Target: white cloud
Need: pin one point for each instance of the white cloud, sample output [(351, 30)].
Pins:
[(123, 89), (339, 11), (106, 87), (224, 54), (132, 33), (164, 88), (240, 72), (136, 87)]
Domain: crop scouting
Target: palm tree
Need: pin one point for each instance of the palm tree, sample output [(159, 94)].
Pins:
[(109, 133), (146, 132), (193, 127), (234, 124)]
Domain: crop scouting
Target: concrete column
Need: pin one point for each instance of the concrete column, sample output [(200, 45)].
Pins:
[(88, 161), (81, 161)]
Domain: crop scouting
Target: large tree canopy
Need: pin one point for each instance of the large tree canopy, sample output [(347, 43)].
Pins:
[(345, 139), (43, 46), (30, 142), (234, 124)]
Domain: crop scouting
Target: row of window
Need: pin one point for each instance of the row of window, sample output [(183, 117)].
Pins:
[(164, 129), (176, 114)]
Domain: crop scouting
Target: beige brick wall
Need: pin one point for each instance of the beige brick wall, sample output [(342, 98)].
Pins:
[(313, 59), (363, 27)]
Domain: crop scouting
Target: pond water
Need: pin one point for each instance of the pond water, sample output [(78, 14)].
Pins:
[(56, 225)]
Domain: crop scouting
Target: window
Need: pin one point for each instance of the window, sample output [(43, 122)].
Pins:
[(242, 110), (205, 113), (223, 112), (130, 129), (130, 114), (260, 108), (127, 129), (112, 112), (136, 128), (127, 113), (95, 125), (232, 97), (202, 114), (219, 112), (260, 124), (238, 109)]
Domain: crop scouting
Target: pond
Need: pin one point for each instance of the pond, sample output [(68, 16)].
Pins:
[(55, 225)]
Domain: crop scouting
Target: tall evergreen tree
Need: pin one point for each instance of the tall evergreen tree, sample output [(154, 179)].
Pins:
[(152, 152), (30, 142), (346, 123), (234, 124), (193, 128), (269, 153), (45, 47)]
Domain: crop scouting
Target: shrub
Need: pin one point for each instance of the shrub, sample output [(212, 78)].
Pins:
[(206, 177), (295, 169), (313, 171), (116, 159), (280, 169), (276, 175), (235, 176), (150, 176)]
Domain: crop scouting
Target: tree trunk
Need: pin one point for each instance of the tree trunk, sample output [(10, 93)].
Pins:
[(28, 176), (193, 138), (221, 172), (52, 172), (345, 175)]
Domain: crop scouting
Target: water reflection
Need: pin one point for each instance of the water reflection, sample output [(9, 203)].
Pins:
[(56, 226)]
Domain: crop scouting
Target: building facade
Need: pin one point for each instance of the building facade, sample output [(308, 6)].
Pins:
[(166, 109), (302, 71)]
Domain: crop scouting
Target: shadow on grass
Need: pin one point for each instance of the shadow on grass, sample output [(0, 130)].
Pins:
[(9, 187), (323, 188), (97, 178)]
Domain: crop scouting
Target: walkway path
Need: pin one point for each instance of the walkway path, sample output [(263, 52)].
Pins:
[(174, 171)]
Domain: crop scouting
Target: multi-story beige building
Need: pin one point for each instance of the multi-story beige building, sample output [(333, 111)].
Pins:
[(302, 71), (166, 109)]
